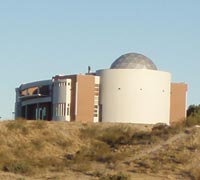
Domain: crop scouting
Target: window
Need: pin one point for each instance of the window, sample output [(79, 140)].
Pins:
[(44, 90)]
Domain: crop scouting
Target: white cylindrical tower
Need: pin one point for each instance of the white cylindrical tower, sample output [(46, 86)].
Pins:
[(134, 91), (61, 99)]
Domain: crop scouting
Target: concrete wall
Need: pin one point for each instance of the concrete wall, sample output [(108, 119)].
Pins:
[(178, 102), (61, 99), (135, 96)]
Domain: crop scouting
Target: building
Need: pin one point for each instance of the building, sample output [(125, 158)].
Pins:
[(63, 98), (75, 98), (133, 90), (33, 100)]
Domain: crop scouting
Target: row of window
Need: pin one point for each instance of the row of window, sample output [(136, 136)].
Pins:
[(62, 84), (96, 100), (60, 109), (44, 90)]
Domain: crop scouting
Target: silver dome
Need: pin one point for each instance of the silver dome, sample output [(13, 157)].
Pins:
[(133, 61)]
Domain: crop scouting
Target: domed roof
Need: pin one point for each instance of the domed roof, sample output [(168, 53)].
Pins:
[(133, 61)]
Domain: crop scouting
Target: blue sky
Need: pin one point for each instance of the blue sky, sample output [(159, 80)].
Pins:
[(42, 38)]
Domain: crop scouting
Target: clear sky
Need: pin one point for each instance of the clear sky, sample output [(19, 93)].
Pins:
[(42, 38)]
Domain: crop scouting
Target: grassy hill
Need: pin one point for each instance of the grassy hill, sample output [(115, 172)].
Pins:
[(104, 151)]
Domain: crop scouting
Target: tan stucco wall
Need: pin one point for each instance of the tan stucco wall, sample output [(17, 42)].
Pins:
[(178, 102), (85, 99)]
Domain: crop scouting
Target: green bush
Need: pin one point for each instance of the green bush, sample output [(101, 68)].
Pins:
[(193, 115), (193, 120)]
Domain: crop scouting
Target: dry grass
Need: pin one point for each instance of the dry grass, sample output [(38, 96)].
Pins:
[(27, 147), (98, 151)]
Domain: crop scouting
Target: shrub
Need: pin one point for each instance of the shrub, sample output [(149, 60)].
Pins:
[(19, 167), (163, 131), (88, 132), (18, 125), (54, 164), (192, 109), (97, 151), (82, 167), (141, 138), (193, 120), (116, 135), (40, 124), (14, 125), (193, 115), (119, 176), (63, 142)]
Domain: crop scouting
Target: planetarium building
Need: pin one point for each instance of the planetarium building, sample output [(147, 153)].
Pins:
[(133, 90)]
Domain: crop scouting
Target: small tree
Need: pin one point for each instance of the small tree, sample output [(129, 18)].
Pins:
[(193, 115)]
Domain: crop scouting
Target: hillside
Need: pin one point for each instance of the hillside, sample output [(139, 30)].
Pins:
[(60, 150)]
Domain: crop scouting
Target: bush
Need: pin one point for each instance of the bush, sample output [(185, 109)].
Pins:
[(141, 138), (18, 125), (82, 167), (88, 132), (98, 151), (117, 135), (192, 120), (164, 131), (53, 164), (18, 167), (193, 115), (118, 176), (40, 124), (192, 109)]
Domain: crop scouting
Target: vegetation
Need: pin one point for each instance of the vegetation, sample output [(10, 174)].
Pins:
[(118, 176), (193, 115), (41, 150)]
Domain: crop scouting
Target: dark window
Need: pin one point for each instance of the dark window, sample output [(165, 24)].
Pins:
[(44, 90)]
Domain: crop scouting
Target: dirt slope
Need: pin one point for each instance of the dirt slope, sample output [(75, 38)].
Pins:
[(59, 150)]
